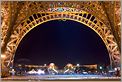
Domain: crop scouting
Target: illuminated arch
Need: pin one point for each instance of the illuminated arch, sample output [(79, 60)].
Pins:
[(63, 14)]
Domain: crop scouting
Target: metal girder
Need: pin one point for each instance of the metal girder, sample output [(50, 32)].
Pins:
[(109, 8)]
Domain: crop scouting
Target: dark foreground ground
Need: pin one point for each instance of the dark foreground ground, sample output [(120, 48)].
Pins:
[(61, 78)]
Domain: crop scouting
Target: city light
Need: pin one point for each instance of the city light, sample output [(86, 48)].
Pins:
[(69, 65), (52, 64), (78, 65), (115, 69), (32, 72), (100, 67), (40, 72), (45, 64)]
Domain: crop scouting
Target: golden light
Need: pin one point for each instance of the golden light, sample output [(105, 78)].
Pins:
[(3, 56), (69, 65), (119, 23), (52, 64)]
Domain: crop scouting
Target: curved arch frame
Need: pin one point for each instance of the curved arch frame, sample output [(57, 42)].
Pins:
[(83, 17)]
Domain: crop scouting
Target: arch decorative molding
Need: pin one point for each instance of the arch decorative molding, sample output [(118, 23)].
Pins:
[(63, 13)]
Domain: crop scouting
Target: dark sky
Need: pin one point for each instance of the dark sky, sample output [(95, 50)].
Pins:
[(62, 42)]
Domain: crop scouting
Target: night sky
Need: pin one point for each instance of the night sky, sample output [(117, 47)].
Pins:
[(62, 42)]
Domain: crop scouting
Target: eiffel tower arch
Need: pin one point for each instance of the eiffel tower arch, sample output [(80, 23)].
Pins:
[(25, 16)]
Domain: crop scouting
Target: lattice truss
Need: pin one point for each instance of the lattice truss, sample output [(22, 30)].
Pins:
[(18, 18)]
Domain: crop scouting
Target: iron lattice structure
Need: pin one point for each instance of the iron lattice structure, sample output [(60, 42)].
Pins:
[(20, 17)]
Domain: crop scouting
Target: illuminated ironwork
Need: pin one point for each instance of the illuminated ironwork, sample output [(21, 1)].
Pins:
[(34, 13)]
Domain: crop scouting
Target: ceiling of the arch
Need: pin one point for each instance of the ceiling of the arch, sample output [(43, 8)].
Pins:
[(62, 42), (13, 13)]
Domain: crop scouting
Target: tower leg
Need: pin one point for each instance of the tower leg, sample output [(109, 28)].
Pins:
[(4, 70)]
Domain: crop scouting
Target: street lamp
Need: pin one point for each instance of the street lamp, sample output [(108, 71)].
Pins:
[(101, 67), (78, 65)]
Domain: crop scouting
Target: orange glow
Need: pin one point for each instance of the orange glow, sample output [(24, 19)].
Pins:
[(3, 56), (69, 65)]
